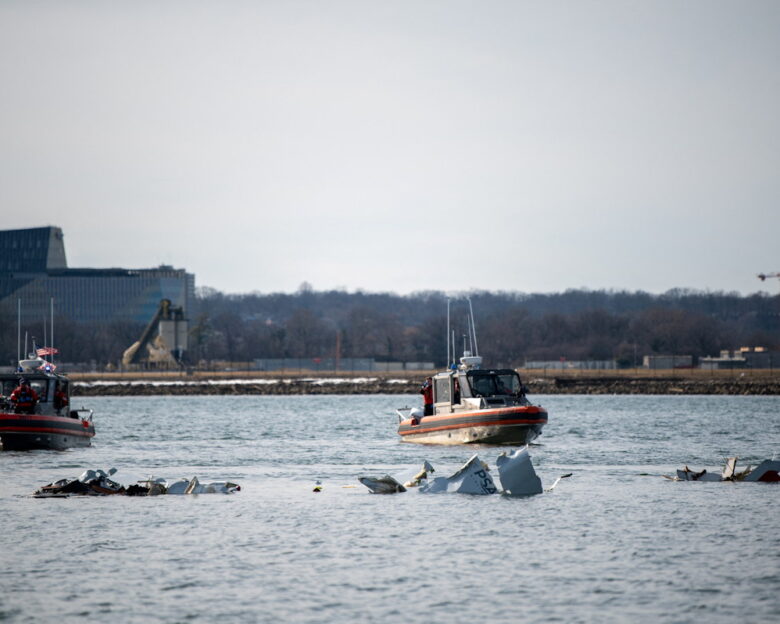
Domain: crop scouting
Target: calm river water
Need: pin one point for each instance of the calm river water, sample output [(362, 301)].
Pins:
[(614, 543)]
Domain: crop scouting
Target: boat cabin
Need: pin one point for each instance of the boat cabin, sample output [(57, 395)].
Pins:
[(53, 392), (473, 388)]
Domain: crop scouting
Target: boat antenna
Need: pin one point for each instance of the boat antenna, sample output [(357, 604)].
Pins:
[(473, 327), (448, 332), (453, 349), (18, 329), (51, 312)]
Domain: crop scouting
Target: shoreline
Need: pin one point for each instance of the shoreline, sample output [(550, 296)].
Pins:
[(245, 384)]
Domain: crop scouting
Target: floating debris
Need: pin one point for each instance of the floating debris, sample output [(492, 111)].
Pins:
[(473, 478), (557, 481), (768, 471), (98, 483), (516, 473), (393, 484), (382, 485)]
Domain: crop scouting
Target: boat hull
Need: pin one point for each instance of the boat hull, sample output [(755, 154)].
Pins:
[(21, 432), (515, 426)]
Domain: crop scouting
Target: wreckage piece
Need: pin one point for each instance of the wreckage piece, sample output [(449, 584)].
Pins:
[(558, 480), (517, 474), (472, 478), (149, 487), (97, 483), (686, 474), (89, 483), (62, 489), (382, 485), (393, 484), (194, 486), (413, 478), (218, 487), (768, 471), (727, 474)]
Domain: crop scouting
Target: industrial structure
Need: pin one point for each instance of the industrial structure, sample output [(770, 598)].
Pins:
[(163, 342), (34, 270)]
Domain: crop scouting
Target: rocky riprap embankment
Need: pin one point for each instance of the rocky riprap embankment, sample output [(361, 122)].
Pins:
[(374, 385), (652, 385), (242, 386)]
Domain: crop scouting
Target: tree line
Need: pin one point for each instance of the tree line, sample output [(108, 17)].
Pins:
[(511, 327)]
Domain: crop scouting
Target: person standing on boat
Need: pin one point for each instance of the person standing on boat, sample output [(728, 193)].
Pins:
[(427, 392), (60, 398), (24, 398)]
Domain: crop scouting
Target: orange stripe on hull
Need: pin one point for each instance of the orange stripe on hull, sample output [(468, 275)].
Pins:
[(490, 423), (496, 417)]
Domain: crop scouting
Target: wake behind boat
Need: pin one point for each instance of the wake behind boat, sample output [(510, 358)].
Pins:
[(35, 410)]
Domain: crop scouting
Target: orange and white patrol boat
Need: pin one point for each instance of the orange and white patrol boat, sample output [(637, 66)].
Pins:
[(472, 405)]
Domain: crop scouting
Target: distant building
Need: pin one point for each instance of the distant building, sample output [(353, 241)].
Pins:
[(760, 358), (742, 358), (571, 364), (33, 270), (665, 362)]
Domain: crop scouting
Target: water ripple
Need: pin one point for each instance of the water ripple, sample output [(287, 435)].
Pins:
[(615, 543)]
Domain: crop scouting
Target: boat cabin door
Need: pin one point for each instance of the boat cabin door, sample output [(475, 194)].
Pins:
[(442, 393)]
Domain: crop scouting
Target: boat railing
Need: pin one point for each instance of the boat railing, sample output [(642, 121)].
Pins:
[(403, 413), (82, 413)]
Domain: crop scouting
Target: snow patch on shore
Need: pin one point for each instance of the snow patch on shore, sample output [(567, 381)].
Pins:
[(317, 381)]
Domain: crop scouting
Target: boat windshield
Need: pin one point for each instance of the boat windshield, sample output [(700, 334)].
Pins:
[(8, 386), (485, 384), (41, 387)]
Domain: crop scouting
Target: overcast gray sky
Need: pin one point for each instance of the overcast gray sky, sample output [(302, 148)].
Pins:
[(400, 146)]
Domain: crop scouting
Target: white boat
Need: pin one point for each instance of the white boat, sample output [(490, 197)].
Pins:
[(472, 405)]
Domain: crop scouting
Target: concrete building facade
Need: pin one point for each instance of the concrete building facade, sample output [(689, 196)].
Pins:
[(33, 271), (666, 362)]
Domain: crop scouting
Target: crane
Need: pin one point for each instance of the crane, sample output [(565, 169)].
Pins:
[(763, 276)]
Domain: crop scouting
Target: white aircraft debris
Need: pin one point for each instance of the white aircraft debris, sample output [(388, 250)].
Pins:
[(516, 473), (768, 471), (391, 484), (472, 478)]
